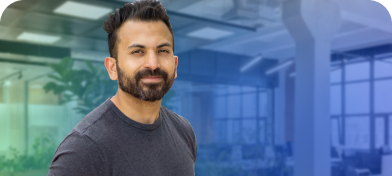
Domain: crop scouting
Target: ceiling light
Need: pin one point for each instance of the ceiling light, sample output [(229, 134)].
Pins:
[(251, 63), (279, 67), (210, 33), (332, 69), (40, 38), (7, 83), (82, 10)]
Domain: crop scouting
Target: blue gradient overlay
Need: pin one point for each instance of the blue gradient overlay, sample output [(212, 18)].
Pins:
[(271, 88)]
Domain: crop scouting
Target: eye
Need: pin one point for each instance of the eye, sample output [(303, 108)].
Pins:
[(162, 50), (137, 52)]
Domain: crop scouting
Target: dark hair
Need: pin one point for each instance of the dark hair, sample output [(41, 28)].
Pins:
[(141, 10)]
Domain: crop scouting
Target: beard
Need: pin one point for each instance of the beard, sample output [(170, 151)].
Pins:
[(145, 91)]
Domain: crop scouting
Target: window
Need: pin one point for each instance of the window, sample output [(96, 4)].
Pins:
[(357, 104), (336, 100), (357, 71), (232, 89), (263, 104), (220, 89), (262, 132), (249, 103), (249, 131), (380, 132), (220, 103), (383, 96), (357, 98), (390, 131), (233, 107), (234, 131), (221, 129), (383, 68), (240, 113), (335, 131), (248, 89), (336, 75), (357, 132)]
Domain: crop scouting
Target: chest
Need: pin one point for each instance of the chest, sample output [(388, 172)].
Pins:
[(150, 153)]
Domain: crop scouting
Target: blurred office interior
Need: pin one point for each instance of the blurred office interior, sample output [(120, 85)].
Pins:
[(253, 112)]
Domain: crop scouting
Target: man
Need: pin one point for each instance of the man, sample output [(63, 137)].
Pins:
[(131, 133)]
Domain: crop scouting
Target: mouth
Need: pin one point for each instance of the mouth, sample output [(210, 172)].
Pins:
[(152, 79)]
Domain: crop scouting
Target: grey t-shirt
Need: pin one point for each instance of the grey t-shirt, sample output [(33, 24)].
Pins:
[(106, 142)]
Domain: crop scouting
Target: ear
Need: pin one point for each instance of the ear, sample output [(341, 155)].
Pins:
[(110, 64), (176, 63)]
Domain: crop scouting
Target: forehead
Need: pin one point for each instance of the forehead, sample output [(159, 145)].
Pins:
[(142, 32)]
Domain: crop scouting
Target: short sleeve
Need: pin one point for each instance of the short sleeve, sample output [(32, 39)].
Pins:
[(77, 155), (192, 142), (194, 149)]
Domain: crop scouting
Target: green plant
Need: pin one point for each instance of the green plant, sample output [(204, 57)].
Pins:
[(42, 154), (90, 87), (43, 151), (2, 163)]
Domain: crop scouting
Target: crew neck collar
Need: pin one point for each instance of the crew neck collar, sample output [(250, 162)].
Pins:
[(148, 127)]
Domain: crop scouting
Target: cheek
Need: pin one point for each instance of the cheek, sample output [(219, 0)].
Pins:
[(170, 64), (171, 69), (132, 66)]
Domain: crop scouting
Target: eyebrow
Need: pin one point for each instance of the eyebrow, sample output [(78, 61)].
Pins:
[(135, 46), (142, 46), (164, 44)]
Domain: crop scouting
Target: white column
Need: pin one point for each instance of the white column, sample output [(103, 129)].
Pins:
[(312, 24), (279, 104)]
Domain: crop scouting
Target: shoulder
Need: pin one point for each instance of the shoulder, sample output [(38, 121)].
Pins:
[(76, 142), (81, 151), (91, 131), (93, 117), (77, 154), (177, 120), (184, 128)]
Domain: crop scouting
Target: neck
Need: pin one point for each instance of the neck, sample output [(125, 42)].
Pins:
[(138, 110)]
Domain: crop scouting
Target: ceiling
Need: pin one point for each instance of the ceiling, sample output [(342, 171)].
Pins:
[(88, 40), (259, 31), (255, 26)]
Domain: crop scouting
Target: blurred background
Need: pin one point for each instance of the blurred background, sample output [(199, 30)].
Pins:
[(271, 87)]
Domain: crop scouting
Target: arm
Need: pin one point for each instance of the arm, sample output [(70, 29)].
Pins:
[(77, 155), (192, 143)]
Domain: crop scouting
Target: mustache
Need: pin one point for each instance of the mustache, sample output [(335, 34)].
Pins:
[(148, 72)]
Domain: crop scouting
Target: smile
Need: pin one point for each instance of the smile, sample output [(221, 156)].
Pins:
[(152, 79)]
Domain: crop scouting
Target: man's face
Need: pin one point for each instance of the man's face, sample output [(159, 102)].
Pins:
[(145, 65)]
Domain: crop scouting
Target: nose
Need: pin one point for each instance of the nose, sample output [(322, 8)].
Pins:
[(151, 60)]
